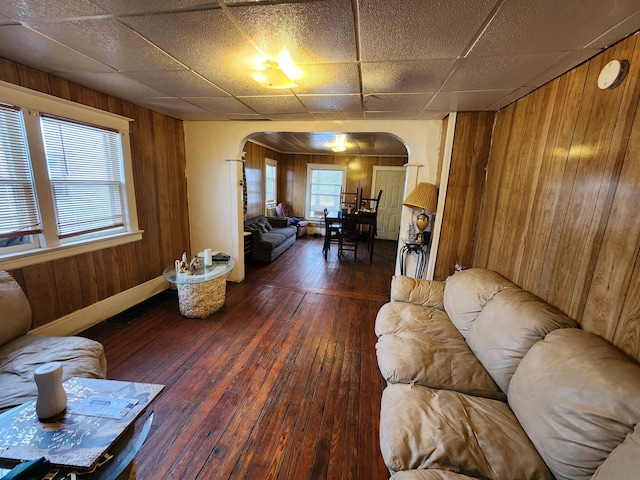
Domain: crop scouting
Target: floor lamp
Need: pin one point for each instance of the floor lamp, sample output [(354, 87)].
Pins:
[(425, 198)]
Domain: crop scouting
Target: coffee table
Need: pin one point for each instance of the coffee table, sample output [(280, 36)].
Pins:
[(203, 293), (104, 419)]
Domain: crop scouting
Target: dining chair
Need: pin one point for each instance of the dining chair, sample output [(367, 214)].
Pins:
[(370, 206), (332, 233), (350, 199), (349, 236)]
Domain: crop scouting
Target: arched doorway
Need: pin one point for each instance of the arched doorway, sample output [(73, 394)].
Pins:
[(370, 160)]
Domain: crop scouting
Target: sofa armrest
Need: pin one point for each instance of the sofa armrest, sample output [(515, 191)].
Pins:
[(428, 293), (278, 222)]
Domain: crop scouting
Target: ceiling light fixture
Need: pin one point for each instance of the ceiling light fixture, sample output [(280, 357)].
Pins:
[(339, 143), (270, 75), (278, 74)]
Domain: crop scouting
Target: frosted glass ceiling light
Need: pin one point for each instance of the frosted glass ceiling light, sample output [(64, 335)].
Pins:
[(270, 75)]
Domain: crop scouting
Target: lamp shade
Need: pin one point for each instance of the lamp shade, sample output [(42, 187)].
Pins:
[(423, 197)]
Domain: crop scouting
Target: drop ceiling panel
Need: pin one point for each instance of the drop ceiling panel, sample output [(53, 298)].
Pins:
[(176, 107), (110, 42), (500, 72), (328, 79), (269, 105), (571, 59), (522, 26), (204, 40), (466, 101), (40, 10), (6, 20), (416, 29), (396, 102), (44, 54), (116, 84), (312, 32), (181, 83), (222, 105), (608, 38), (331, 103), (406, 76), (124, 7)]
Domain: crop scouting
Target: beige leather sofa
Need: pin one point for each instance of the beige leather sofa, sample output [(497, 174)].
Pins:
[(485, 380), (21, 353)]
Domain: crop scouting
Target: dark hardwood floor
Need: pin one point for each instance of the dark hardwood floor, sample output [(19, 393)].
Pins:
[(282, 382)]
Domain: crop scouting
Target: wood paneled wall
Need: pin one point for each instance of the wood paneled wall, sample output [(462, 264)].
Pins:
[(292, 175), (254, 171), (470, 154), (60, 287), (560, 211)]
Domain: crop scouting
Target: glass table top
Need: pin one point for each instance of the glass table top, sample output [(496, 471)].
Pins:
[(202, 274)]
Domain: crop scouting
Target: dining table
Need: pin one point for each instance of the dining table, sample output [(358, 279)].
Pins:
[(363, 218)]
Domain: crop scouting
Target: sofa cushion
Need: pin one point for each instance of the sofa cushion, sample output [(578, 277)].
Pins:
[(436, 362), (395, 317), (576, 396), (624, 461), (270, 240), (507, 327), (15, 315), (467, 292), (479, 437), (428, 293), (80, 357)]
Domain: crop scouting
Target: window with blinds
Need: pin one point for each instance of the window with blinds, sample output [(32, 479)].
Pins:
[(66, 182), (19, 217), (84, 165)]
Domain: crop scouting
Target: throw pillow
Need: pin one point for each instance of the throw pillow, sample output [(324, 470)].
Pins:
[(15, 317)]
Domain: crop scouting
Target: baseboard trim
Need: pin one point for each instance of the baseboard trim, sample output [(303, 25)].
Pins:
[(89, 316)]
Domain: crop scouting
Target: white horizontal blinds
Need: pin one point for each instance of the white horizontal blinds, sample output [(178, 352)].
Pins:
[(86, 178), (19, 213)]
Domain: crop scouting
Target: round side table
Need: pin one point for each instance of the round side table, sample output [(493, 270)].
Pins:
[(203, 293)]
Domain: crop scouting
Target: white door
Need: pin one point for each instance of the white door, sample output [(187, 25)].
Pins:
[(391, 181)]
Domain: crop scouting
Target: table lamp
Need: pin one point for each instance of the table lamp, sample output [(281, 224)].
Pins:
[(425, 198)]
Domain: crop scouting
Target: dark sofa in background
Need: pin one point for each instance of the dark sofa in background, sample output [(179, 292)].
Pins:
[(271, 237)]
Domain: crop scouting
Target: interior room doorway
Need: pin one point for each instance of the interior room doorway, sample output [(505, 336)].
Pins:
[(391, 181)]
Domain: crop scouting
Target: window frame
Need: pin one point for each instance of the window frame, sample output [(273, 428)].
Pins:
[(270, 162), (321, 166), (50, 248)]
